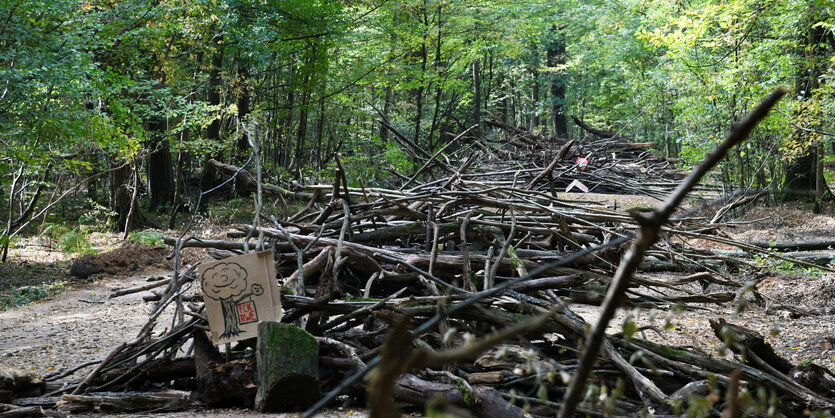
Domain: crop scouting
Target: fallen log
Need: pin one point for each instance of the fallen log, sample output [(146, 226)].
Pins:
[(485, 401), (162, 401), (811, 245)]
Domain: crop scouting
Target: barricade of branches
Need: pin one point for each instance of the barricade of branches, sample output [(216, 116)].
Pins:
[(456, 289)]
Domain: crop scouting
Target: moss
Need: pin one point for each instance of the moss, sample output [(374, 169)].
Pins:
[(361, 299), (663, 349), (289, 335), (517, 316), (468, 396)]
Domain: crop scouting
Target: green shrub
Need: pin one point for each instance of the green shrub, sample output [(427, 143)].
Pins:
[(151, 238), (28, 294)]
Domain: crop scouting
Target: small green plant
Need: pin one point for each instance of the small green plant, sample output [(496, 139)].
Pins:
[(235, 210), (19, 296), (151, 238), (75, 241), (97, 213)]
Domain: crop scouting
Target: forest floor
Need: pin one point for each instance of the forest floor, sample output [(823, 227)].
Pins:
[(74, 321)]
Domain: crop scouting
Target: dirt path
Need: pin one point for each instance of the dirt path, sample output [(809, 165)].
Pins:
[(74, 327)]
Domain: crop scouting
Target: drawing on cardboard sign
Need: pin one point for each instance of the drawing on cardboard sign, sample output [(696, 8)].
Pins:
[(240, 292)]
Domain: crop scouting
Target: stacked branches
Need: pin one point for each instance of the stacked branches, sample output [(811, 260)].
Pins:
[(457, 290)]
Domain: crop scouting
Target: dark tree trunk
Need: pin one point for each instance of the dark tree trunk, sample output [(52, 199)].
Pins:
[(120, 194), (287, 124), (159, 167), (384, 132), (421, 88), (556, 58), (320, 131), (801, 174), (243, 107), (209, 178), (301, 132), (477, 96), (533, 69), (438, 83), (242, 146), (179, 183)]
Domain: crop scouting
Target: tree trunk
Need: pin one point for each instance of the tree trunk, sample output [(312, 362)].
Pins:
[(159, 166), (243, 108), (179, 183), (533, 69), (288, 368), (556, 58), (301, 131), (287, 124), (477, 96), (801, 174), (120, 194), (384, 132), (422, 77), (209, 178)]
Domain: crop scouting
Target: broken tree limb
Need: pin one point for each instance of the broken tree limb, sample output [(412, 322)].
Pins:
[(647, 235), (547, 171), (435, 156), (164, 401)]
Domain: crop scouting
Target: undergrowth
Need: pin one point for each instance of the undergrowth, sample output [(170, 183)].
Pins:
[(19, 296)]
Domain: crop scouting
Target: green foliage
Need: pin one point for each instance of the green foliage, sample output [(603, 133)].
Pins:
[(86, 85), (235, 210), (75, 240), (151, 238), (28, 294)]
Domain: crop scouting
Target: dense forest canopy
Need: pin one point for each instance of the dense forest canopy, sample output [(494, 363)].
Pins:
[(141, 92)]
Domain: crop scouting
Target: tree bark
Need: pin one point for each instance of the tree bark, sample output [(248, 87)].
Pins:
[(243, 108), (801, 174), (477, 96), (208, 180), (159, 166), (556, 58), (533, 69), (120, 194)]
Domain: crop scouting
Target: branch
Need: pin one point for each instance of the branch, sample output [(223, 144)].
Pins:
[(647, 235)]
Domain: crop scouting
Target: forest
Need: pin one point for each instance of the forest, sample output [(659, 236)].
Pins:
[(450, 175)]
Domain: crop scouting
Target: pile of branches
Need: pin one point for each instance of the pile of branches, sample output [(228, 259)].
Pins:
[(456, 291)]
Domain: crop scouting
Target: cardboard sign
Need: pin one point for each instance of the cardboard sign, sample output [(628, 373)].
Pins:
[(240, 292)]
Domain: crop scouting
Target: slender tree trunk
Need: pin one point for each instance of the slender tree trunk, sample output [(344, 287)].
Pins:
[(320, 131), (801, 174), (384, 132), (490, 67), (243, 107), (477, 96), (120, 194), (421, 88), (287, 126), (419, 98), (556, 58), (159, 166), (301, 132), (533, 69), (209, 177), (505, 103), (439, 77), (178, 188)]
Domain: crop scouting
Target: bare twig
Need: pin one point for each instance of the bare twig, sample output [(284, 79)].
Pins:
[(647, 235)]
